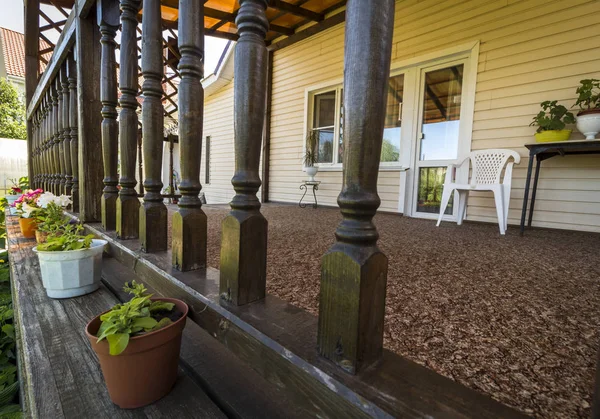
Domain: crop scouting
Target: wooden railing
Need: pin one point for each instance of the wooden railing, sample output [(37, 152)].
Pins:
[(73, 121)]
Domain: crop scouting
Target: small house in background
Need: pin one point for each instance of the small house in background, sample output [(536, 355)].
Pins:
[(465, 76), (12, 59)]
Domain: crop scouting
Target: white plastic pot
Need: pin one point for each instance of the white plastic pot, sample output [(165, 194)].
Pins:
[(72, 273), (589, 124), (11, 199), (311, 171)]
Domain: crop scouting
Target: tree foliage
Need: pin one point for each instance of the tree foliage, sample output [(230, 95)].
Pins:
[(12, 112)]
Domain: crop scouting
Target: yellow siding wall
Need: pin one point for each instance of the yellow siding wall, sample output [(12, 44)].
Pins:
[(530, 51)]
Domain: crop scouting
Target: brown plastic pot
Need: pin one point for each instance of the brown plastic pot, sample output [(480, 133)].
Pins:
[(147, 369)]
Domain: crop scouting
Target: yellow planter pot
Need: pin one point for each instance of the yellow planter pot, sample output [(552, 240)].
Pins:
[(28, 227), (552, 136)]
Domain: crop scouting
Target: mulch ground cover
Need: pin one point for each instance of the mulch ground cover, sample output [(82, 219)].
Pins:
[(513, 317)]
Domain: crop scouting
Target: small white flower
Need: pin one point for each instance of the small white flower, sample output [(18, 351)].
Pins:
[(45, 198), (63, 201), (26, 210)]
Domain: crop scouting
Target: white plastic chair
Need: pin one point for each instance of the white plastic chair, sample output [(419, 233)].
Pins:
[(487, 168)]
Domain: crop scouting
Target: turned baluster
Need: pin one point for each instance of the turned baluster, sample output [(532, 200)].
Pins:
[(62, 173), (189, 222), (354, 270), (128, 203), (55, 140), (66, 102), (108, 20), (74, 132), (244, 237), (45, 141), (153, 212)]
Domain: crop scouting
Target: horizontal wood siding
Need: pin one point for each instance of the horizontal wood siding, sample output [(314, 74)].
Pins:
[(530, 51)]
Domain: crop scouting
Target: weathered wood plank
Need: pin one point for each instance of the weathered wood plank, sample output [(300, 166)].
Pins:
[(62, 378), (278, 341)]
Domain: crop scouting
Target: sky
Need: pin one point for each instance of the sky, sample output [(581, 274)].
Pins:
[(11, 17)]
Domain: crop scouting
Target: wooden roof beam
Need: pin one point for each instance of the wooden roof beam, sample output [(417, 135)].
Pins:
[(296, 10)]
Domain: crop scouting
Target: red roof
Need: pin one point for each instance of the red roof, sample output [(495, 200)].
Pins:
[(13, 50)]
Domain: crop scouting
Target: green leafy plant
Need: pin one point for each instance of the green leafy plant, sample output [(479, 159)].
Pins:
[(68, 238), (310, 155), (552, 117), (135, 317), (588, 94), (52, 220), (12, 112)]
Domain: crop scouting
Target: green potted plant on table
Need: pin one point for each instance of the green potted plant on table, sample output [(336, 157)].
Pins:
[(310, 155), (13, 194), (138, 345), (71, 264), (588, 100), (551, 122)]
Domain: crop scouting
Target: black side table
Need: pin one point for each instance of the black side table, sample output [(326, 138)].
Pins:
[(304, 187), (543, 151)]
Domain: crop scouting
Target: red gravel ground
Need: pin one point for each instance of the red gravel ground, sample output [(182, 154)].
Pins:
[(513, 317)]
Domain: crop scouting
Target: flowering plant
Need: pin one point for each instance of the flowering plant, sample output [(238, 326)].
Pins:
[(27, 203), (18, 185)]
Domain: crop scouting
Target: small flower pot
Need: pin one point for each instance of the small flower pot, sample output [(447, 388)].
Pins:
[(71, 273), (40, 237), (552, 136), (588, 123), (28, 227), (11, 200), (147, 370), (311, 171)]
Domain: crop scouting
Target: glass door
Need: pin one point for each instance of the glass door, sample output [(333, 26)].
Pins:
[(438, 135)]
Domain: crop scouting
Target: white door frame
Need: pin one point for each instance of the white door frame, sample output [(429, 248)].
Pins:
[(413, 69)]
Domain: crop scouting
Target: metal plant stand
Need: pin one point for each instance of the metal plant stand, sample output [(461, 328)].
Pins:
[(304, 187)]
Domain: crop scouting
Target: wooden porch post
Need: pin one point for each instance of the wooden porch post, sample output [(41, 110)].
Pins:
[(90, 117), (189, 222), (73, 129), (66, 103), (46, 143), (32, 34), (153, 212), (354, 270), (128, 204), (108, 19), (244, 237), (43, 143)]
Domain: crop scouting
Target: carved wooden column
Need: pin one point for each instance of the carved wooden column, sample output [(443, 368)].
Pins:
[(128, 204), (49, 142), (189, 222), (73, 125), (354, 270), (244, 237), (62, 173), (153, 212), (108, 19), (66, 103), (55, 140), (45, 143)]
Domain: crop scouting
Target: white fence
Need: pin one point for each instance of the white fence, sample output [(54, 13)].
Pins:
[(13, 162)]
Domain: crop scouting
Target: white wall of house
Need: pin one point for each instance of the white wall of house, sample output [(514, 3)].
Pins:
[(13, 162), (522, 51)]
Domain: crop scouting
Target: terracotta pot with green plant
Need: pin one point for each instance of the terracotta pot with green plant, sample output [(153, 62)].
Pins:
[(310, 155), (551, 122), (138, 344), (588, 100)]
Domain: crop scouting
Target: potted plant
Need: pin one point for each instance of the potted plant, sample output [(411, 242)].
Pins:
[(15, 191), (310, 155), (51, 218), (588, 100), (137, 344), (71, 264), (551, 122), (27, 207)]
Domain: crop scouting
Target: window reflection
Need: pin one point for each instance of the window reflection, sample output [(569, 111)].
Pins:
[(431, 184), (390, 148), (323, 124), (441, 113)]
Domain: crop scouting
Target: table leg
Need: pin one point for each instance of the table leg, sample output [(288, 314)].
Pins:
[(305, 188), (526, 195), (533, 192), (315, 188)]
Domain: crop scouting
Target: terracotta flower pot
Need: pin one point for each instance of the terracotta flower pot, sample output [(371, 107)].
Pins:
[(146, 371), (28, 227), (40, 237)]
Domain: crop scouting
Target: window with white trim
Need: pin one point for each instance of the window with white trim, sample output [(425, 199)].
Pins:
[(326, 117)]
